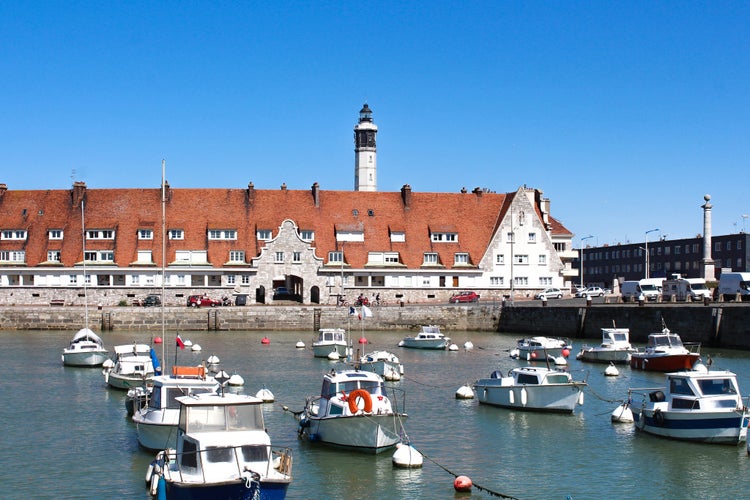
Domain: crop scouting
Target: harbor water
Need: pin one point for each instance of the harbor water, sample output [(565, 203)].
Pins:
[(66, 435)]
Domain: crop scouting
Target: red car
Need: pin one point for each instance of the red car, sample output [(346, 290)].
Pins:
[(464, 297), (201, 301)]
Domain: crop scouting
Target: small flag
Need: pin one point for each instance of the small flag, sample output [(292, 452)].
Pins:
[(366, 312), (180, 343)]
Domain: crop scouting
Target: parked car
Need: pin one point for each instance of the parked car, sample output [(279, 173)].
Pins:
[(201, 301), (151, 301), (592, 291), (549, 293), (466, 296), (281, 293)]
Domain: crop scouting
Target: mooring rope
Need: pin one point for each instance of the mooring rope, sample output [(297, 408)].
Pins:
[(473, 484)]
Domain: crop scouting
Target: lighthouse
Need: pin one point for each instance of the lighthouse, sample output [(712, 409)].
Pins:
[(365, 152)]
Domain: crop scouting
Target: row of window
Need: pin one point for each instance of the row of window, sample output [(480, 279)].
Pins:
[(521, 281), (521, 259), (695, 265), (688, 248)]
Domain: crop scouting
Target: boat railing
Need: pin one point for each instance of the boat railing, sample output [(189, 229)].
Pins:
[(652, 393), (398, 399), (277, 462), (693, 347)]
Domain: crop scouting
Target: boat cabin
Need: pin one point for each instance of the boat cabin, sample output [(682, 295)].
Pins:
[(332, 335), (539, 376), (716, 390), (664, 340)]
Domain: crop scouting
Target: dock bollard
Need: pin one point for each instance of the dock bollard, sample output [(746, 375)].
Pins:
[(641, 300), (588, 300), (706, 301), (544, 301)]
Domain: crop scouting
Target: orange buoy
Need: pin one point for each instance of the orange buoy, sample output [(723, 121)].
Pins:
[(265, 341), (157, 340), (533, 354), (462, 483), (362, 340), (566, 352)]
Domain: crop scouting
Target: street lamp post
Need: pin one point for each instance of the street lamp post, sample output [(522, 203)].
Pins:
[(647, 258), (582, 257), (744, 216)]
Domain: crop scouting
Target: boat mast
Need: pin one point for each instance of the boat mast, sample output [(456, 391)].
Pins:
[(85, 291), (163, 254)]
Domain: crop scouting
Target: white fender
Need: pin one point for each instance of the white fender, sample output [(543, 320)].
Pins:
[(154, 485), (524, 397), (511, 396)]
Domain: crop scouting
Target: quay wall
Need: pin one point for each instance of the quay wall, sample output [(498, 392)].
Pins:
[(717, 325)]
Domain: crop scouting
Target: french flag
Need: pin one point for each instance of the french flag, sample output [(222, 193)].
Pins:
[(180, 342)]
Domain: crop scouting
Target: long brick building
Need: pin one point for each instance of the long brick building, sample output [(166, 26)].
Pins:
[(403, 245)]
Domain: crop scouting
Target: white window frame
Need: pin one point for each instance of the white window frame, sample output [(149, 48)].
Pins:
[(222, 234), (278, 257), (500, 259), (307, 235), (461, 258), (532, 237), (231, 279), (55, 234), (496, 281), (444, 237), (13, 234), (542, 259), (176, 234), (398, 237), (99, 256), (145, 234), (12, 256), (100, 234), (237, 256), (521, 259), (297, 256), (431, 259), (265, 234), (245, 279), (53, 255), (336, 257)]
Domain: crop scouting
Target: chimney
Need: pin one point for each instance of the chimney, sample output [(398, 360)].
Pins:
[(406, 195), (250, 193), (477, 191), (316, 195), (283, 186), (464, 190), (167, 191), (3, 189), (79, 193)]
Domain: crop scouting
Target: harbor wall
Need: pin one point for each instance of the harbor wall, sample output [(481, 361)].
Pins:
[(719, 325)]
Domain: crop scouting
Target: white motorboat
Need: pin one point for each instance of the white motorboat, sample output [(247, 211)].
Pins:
[(615, 348), (156, 422), (531, 388), (85, 349), (695, 405), (223, 451), (540, 348), (331, 340), (133, 366), (384, 363), (429, 337), (665, 352), (353, 411)]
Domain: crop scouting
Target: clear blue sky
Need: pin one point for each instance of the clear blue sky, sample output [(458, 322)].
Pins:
[(624, 113)]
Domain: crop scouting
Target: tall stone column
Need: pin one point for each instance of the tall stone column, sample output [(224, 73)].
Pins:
[(707, 269)]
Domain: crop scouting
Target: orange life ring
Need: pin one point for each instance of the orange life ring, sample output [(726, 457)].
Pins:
[(360, 393)]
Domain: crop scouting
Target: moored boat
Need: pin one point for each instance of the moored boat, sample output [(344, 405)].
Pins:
[(665, 352), (531, 388), (352, 411), (429, 337), (331, 340), (615, 348), (134, 365), (223, 451), (156, 422), (85, 349), (384, 363), (540, 348), (694, 405)]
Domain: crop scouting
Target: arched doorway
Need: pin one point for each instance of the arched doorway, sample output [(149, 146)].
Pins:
[(260, 295), (315, 295)]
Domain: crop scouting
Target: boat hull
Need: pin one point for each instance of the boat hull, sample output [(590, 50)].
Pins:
[(387, 369), (557, 398), (156, 436), (617, 356), (230, 490), (89, 358), (124, 382), (424, 344), (663, 363), (363, 432), (704, 427), (530, 354), (323, 350)]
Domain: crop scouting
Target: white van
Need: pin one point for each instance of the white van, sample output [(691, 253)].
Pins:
[(733, 284), (685, 289), (631, 290), (651, 288)]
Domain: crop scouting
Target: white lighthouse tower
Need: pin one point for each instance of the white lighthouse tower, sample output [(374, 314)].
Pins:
[(365, 152)]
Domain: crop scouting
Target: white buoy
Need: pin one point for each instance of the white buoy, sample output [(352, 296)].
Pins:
[(300, 345), (561, 361), (611, 370), (622, 414), (265, 395), (108, 364), (453, 347), (515, 353), (407, 456), (236, 380), (196, 347), (334, 356), (468, 345), (465, 392), (188, 343), (213, 359)]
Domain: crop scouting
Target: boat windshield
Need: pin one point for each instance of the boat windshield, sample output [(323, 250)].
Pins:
[(239, 417), (557, 378), (665, 340), (619, 337), (717, 386), (680, 386)]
